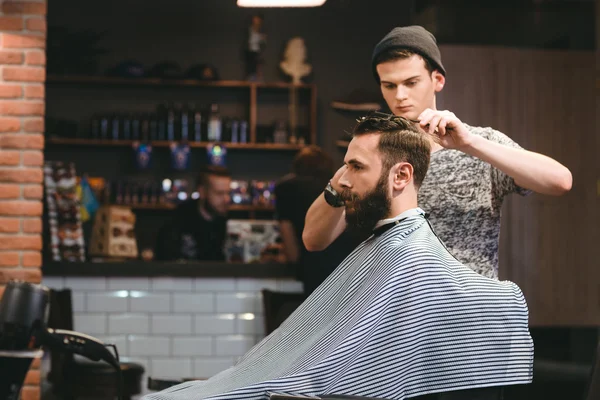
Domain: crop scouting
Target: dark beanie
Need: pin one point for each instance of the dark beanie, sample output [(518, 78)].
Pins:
[(415, 38)]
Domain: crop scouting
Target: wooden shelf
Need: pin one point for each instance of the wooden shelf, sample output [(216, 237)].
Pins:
[(171, 206), (249, 207), (107, 80), (165, 143), (201, 269)]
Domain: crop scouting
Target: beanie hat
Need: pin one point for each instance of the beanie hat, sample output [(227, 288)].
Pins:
[(415, 38)]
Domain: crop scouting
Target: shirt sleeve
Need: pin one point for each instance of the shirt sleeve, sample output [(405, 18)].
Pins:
[(502, 184)]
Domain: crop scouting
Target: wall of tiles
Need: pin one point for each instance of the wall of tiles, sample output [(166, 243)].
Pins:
[(176, 327)]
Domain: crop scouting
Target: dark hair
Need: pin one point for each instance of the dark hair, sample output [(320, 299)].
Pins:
[(212, 170), (313, 162), (401, 54), (400, 141)]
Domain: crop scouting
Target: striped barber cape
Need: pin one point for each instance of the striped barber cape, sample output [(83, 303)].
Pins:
[(400, 317)]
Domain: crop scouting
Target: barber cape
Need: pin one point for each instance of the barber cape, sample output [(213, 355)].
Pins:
[(400, 317)]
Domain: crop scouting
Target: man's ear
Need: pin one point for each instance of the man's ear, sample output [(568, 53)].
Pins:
[(202, 191), (439, 80), (402, 175)]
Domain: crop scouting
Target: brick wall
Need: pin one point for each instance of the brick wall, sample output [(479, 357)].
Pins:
[(22, 75)]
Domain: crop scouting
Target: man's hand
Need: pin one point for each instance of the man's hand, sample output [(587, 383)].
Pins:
[(451, 133), (335, 181)]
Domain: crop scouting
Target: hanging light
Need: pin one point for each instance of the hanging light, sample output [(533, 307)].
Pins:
[(280, 3)]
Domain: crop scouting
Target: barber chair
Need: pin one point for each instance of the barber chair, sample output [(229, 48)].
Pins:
[(72, 378)]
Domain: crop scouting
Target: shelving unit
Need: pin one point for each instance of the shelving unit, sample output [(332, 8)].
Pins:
[(252, 87), (165, 143), (170, 206)]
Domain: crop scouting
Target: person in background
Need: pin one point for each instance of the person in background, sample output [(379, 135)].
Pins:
[(198, 228), (294, 193)]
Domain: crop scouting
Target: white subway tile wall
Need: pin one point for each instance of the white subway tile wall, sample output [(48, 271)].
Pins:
[(175, 327)]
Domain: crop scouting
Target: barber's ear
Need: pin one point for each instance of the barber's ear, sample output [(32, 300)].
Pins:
[(439, 81), (402, 175)]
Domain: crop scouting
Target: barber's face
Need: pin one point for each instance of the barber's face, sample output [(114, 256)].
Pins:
[(216, 194), (407, 87), (365, 184)]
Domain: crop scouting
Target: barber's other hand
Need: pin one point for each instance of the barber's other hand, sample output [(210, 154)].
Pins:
[(335, 181), (450, 131)]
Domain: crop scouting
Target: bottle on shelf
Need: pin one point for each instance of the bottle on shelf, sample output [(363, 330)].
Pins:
[(170, 123), (115, 124), (196, 123), (136, 126), (104, 127), (184, 117), (126, 127), (214, 124), (161, 117)]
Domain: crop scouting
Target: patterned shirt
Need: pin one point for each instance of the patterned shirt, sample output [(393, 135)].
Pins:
[(463, 196)]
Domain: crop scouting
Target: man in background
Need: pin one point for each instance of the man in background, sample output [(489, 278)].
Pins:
[(198, 228)]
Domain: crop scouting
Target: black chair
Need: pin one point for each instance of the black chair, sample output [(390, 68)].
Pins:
[(73, 379), (593, 389), (278, 306)]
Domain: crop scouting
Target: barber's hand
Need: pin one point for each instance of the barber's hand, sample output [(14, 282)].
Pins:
[(335, 181), (450, 131)]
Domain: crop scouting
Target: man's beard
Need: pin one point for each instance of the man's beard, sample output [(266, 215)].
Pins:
[(363, 213), (212, 211)]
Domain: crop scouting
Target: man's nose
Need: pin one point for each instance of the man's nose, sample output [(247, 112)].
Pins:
[(344, 181), (401, 93)]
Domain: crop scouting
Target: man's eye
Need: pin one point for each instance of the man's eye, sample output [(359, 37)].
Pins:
[(411, 83), (389, 87)]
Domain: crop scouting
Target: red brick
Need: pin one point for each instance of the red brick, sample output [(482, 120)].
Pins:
[(35, 92), (21, 141), (10, 157), (9, 259), (24, 7), (33, 158), (21, 175), (33, 192), (10, 91), (32, 225), (23, 108), (36, 363), (32, 259), (20, 242), (9, 191), (25, 274), (23, 41), (30, 393), (35, 58), (11, 23), (24, 74), (10, 225), (11, 57), (10, 125), (36, 24), (21, 208), (32, 377), (34, 125)]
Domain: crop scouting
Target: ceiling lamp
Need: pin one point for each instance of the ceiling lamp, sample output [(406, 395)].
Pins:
[(280, 3)]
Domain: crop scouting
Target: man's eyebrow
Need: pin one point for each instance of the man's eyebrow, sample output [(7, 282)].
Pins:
[(405, 80), (354, 162)]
